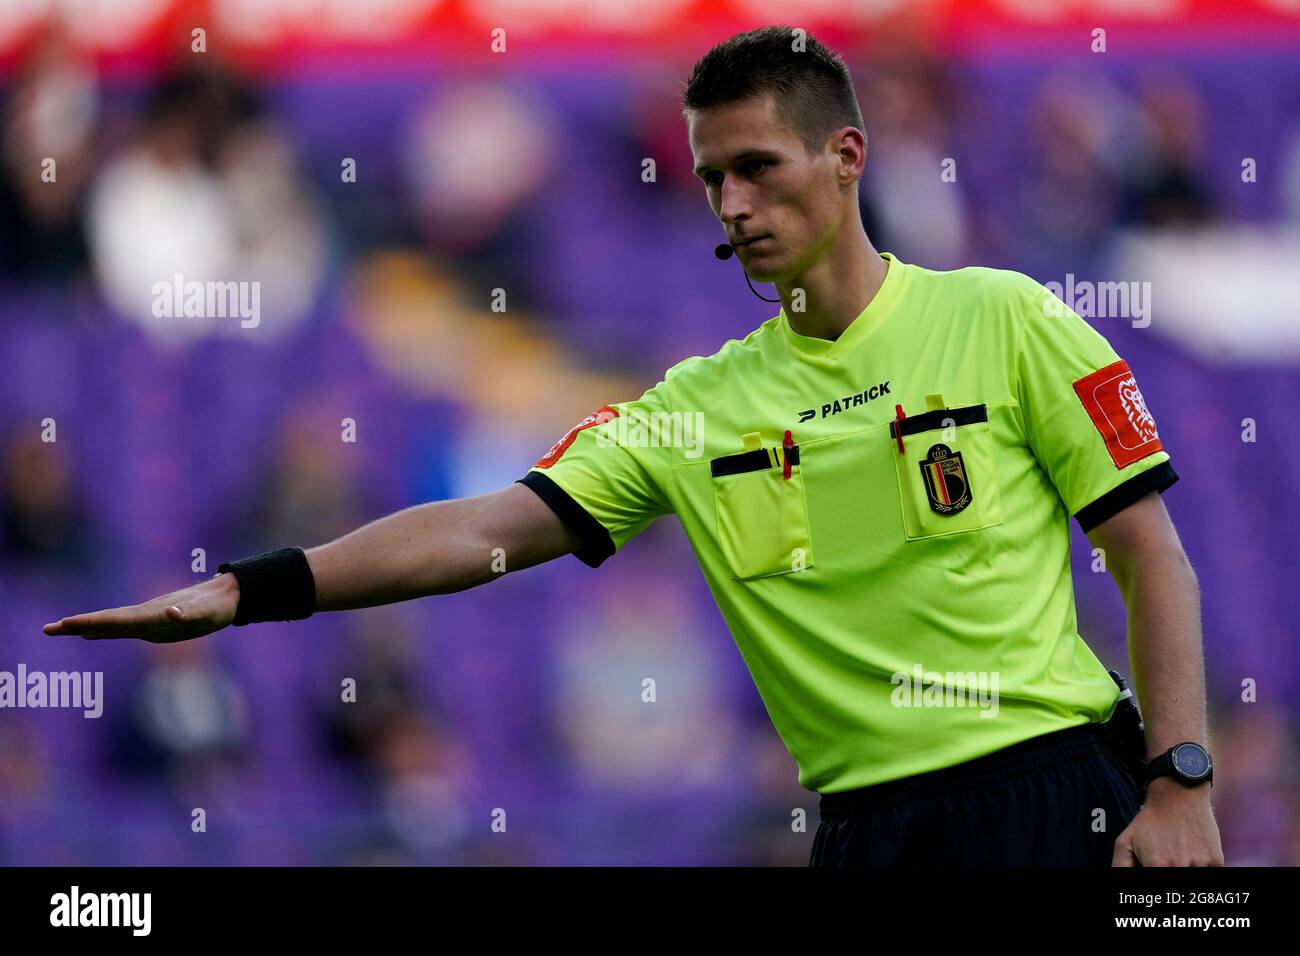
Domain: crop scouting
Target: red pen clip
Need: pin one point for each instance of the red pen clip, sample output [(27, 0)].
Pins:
[(898, 428), (787, 444)]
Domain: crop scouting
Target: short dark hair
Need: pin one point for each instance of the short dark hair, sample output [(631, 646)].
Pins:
[(812, 87)]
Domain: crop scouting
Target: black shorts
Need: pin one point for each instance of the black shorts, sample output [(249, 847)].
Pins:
[(1035, 803)]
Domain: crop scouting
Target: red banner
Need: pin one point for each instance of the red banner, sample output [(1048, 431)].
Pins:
[(279, 34)]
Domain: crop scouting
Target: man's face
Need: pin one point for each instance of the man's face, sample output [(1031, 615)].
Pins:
[(779, 204)]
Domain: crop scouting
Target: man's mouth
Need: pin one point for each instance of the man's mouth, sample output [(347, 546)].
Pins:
[(750, 242)]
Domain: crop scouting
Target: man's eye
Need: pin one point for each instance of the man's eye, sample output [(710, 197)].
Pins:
[(713, 179), (755, 166)]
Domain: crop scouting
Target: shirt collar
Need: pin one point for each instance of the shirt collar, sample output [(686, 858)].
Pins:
[(866, 322)]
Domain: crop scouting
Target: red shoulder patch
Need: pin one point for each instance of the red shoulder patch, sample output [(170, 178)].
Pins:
[(1116, 407), (598, 417)]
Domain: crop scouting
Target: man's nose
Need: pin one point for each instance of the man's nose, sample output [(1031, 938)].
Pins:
[(733, 204)]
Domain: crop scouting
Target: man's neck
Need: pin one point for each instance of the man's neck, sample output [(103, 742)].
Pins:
[(835, 290)]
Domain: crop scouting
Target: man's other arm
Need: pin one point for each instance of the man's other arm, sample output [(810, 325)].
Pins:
[(1176, 826)]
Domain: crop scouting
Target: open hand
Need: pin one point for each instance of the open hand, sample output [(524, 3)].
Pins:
[(179, 616)]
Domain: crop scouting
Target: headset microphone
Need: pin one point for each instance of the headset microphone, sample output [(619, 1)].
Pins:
[(724, 251)]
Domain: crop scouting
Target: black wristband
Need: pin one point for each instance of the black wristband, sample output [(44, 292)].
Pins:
[(273, 586)]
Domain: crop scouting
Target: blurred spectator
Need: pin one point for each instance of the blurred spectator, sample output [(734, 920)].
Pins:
[(908, 103), (638, 629), (50, 115), (1165, 185), (279, 224), (22, 772), (1291, 176), (206, 193), (470, 197), (188, 719), (381, 662), (309, 490), (1071, 195), (386, 729), (1255, 756), (41, 519), (464, 179)]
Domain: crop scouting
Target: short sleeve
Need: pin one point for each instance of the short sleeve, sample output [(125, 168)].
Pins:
[(606, 477), (1084, 417)]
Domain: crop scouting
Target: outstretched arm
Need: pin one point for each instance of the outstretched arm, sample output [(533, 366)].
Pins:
[(434, 548), (437, 548)]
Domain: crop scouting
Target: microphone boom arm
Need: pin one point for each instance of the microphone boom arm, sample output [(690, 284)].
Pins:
[(724, 251)]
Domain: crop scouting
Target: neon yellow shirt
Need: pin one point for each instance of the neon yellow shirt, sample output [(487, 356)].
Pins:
[(899, 610)]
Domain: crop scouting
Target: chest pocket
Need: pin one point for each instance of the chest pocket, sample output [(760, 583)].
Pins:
[(762, 515), (947, 472)]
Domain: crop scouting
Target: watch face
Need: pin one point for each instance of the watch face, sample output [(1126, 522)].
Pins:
[(1191, 760)]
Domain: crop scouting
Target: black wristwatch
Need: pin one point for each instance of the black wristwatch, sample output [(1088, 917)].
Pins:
[(1189, 763)]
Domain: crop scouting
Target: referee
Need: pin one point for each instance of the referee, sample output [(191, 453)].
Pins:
[(879, 500)]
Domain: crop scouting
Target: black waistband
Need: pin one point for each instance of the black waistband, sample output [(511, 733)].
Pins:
[(1036, 753)]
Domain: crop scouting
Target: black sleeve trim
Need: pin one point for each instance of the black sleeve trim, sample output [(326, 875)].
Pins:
[(597, 545), (1117, 499)]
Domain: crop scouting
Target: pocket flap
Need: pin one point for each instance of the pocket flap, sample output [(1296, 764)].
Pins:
[(940, 418), (759, 459)]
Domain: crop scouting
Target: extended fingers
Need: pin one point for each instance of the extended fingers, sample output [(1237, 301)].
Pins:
[(114, 622), (84, 624)]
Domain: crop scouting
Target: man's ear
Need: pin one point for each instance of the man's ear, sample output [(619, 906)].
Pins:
[(850, 145)]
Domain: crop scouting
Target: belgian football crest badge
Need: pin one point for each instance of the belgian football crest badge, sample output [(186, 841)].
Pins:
[(946, 483)]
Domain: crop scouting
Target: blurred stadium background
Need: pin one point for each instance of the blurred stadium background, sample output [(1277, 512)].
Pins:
[(522, 171)]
